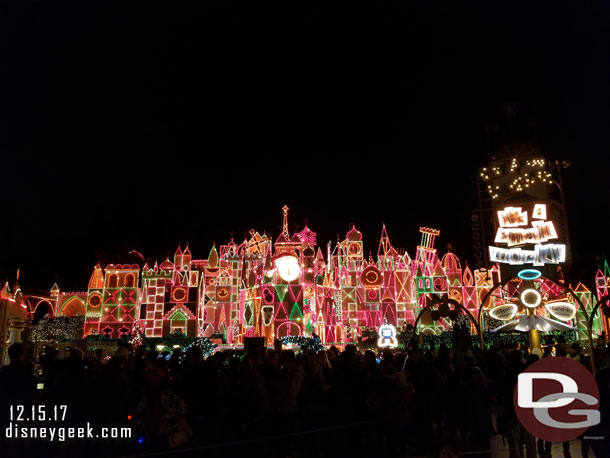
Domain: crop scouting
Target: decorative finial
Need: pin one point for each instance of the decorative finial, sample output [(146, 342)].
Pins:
[(285, 223)]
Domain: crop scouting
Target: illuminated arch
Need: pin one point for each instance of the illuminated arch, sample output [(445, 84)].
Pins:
[(288, 328), (113, 281), (41, 308), (338, 333), (73, 307), (130, 281)]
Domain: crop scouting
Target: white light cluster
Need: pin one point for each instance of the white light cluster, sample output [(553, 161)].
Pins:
[(504, 312), (530, 298), (509, 233), (288, 267), (387, 336), (563, 311), (522, 181), (552, 253)]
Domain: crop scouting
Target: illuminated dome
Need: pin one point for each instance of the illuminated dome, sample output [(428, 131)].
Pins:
[(97, 278), (451, 263), (167, 265), (354, 235)]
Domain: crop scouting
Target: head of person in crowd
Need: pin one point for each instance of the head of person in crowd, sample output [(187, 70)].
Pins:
[(514, 358), (287, 359), (560, 348), (533, 357), (193, 356), (122, 356), (272, 359), (388, 356), (473, 377), (16, 353), (50, 353), (574, 349), (351, 350), (333, 352), (369, 359), (323, 358), (469, 359), (140, 352)]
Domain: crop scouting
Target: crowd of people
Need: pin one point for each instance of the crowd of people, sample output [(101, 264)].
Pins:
[(279, 403)]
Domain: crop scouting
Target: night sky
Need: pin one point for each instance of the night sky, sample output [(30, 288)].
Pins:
[(135, 125)]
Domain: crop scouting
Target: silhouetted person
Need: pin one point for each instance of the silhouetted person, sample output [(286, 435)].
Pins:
[(18, 384)]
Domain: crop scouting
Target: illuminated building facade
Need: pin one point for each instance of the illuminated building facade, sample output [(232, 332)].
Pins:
[(286, 287), (268, 288)]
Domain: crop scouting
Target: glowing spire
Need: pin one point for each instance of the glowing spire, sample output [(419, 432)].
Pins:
[(5, 291), (97, 278), (285, 232), (385, 246), (213, 258)]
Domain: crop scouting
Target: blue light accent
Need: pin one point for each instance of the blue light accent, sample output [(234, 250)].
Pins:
[(140, 440), (529, 274)]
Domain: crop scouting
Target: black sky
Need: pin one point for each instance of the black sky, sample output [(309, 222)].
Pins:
[(135, 125)]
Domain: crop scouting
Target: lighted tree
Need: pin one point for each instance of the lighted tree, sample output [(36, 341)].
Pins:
[(310, 327), (136, 335)]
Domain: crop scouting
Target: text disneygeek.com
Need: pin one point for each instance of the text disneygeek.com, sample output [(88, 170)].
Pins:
[(60, 434), (26, 422)]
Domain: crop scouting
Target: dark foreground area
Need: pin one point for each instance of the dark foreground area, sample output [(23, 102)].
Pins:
[(275, 403)]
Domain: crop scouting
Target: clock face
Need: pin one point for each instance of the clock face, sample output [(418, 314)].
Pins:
[(179, 295), (95, 300), (371, 276), (354, 249), (288, 267)]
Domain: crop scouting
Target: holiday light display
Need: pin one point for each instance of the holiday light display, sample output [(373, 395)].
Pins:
[(288, 267), (205, 345), (541, 231), (292, 288), (564, 311), (387, 336), (304, 343), (530, 298), (504, 312), (58, 328), (504, 178)]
